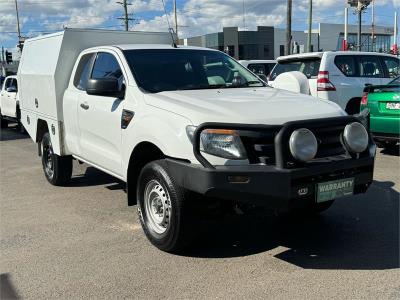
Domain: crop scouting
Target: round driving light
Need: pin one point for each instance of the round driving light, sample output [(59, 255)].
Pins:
[(355, 137), (303, 144)]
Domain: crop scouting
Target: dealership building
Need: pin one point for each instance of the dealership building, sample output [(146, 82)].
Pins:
[(268, 42)]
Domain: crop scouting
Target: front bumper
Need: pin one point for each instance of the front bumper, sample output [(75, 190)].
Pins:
[(385, 137), (275, 188), (282, 185)]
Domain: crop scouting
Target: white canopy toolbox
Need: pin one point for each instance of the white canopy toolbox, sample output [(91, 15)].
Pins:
[(46, 65)]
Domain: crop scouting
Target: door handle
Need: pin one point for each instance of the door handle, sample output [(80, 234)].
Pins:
[(85, 106)]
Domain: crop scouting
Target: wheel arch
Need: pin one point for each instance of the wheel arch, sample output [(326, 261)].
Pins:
[(143, 153), (353, 105), (41, 129)]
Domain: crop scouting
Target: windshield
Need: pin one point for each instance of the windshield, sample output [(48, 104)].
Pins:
[(308, 67), (158, 70)]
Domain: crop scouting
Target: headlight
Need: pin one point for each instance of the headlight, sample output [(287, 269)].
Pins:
[(220, 142), (355, 137), (303, 144)]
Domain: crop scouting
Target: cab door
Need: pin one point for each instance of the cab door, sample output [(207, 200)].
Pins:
[(9, 97), (99, 118)]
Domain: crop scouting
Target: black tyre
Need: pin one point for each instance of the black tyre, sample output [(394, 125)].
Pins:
[(386, 144), (321, 207), (165, 214), (308, 210), (20, 127), (4, 122), (57, 169)]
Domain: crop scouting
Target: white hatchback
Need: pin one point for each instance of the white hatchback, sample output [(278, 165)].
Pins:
[(340, 76)]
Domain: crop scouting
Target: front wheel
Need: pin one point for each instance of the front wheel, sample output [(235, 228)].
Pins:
[(57, 169), (321, 207), (164, 212)]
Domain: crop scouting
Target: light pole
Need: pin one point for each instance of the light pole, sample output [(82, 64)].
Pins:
[(360, 6), (289, 27), (309, 26)]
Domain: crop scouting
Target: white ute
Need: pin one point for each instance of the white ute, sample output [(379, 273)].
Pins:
[(9, 101), (174, 122)]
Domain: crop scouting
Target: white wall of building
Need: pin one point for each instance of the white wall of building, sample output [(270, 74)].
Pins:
[(299, 37)]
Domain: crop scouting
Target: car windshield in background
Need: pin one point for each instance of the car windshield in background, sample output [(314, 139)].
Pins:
[(158, 70), (308, 67)]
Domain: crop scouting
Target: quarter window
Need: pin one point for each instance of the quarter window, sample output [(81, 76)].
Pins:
[(346, 65), (369, 66), (82, 72), (392, 66)]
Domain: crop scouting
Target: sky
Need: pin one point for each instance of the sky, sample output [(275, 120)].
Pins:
[(195, 17)]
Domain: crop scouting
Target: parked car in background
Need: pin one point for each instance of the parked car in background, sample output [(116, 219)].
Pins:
[(9, 102), (260, 67), (383, 102), (340, 76)]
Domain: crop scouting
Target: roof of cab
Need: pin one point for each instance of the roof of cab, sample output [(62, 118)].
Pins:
[(158, 46)]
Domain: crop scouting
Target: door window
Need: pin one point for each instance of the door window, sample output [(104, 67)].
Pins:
[(392, 66), (106, 66), (82, 72), (14, 84), (360, 66)]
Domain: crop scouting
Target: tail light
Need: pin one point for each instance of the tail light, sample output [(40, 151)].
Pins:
[(323, 83), (364, 99)]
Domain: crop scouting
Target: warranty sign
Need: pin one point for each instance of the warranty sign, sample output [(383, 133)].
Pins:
[(330, 190)]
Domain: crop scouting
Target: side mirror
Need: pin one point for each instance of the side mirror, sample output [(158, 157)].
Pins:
[(11, 89), (108, 87)]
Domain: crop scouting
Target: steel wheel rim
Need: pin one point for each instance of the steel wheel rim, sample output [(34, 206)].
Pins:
[(48, 160), (157, 205)]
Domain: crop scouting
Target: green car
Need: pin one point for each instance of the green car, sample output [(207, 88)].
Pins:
[(383, 102)]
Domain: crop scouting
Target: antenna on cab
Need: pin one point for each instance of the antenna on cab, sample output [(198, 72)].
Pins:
[(170, 29)]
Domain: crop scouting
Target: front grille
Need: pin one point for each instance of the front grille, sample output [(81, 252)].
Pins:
[(329, 141), (260, 145)]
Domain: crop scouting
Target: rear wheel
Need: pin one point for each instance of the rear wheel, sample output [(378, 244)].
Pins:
[(164, 213), (4, 122), (57, 169)]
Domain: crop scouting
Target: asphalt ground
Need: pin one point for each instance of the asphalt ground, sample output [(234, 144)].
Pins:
[(83, 241)]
